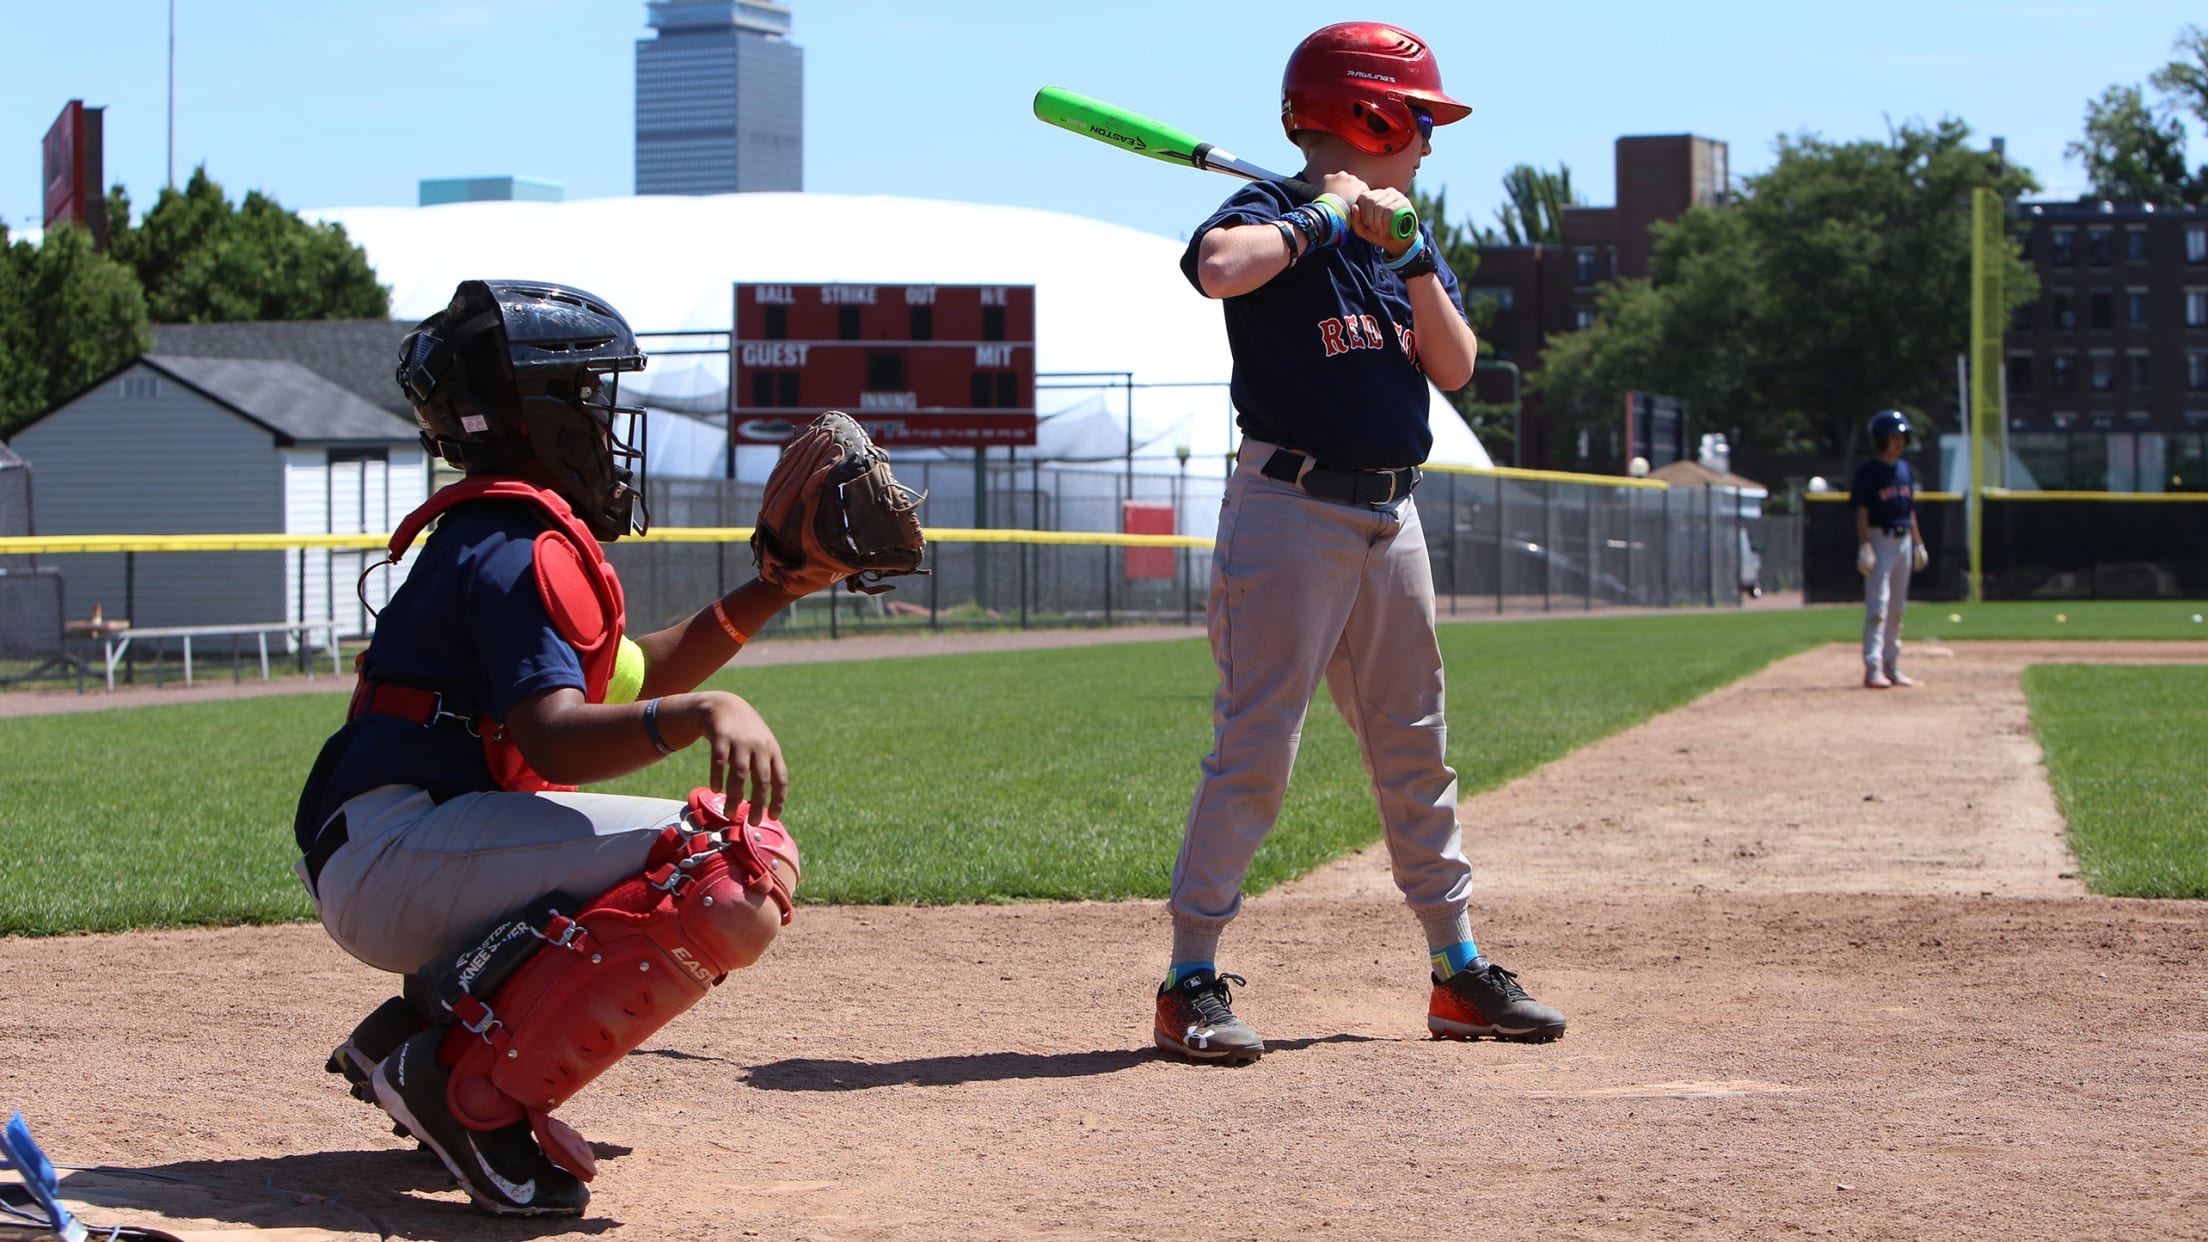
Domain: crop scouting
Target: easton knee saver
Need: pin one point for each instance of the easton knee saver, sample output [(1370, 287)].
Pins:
[(603, 981)]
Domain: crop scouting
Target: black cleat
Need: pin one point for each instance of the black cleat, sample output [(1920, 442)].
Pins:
[(1490, 1002), (503, 1170)]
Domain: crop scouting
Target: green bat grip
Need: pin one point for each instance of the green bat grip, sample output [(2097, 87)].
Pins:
[(1404, 223), (1131, 131)]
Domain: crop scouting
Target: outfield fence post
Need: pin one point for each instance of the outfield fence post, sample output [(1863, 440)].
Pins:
[(1455, 588), (1107, 584), (1548, 544), (1587, 499), (1501, 563)]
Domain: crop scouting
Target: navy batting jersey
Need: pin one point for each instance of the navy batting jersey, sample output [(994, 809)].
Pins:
[(1887, 491), (1324, 356), (468, 622)]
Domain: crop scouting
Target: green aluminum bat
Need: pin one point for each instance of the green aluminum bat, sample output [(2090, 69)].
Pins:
[(1134, 132)]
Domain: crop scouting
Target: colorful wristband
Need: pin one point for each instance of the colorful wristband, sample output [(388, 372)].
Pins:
[(1409, 256), (728, 627), (1288, 239), (1419, 260), (651, 727)]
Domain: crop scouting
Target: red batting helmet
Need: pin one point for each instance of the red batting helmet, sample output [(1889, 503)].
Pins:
[(1360, 82)]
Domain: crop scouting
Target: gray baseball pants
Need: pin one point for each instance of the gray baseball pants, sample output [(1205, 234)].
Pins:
[(1303, 588), (1885, 595), (416, 876)]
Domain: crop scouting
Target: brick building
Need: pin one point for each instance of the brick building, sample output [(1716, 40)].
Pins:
[(2108, 370), (1540, 291)]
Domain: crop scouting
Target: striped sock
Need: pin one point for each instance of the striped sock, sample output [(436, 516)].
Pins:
[(1182, 970), (1452, 958)]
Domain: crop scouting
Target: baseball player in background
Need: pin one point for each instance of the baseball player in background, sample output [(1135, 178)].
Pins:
[(543, 933), (1320, 567), (1888, 546)]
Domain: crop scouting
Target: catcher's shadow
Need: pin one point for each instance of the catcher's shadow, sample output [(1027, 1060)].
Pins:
[(379, 1192), (822, 1074)]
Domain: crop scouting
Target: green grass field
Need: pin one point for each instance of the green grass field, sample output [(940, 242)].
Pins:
[(2124, 747), (1061, 774)]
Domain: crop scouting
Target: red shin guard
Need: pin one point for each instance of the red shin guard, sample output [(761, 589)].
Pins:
[(638, 954)]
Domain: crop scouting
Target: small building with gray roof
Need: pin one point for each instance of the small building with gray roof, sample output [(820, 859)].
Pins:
[(175, 444)]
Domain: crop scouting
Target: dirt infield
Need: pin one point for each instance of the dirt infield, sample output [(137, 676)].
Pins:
[(1827, 971)]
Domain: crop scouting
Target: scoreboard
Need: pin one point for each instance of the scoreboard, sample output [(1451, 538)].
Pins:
[(939, 366)]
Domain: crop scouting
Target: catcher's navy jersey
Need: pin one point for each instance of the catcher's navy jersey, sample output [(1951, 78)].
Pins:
[(469, 622), (1889, 492), (1324, 356)]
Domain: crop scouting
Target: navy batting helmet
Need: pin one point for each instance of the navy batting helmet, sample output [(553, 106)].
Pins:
[(1886, 423), (514, 370)]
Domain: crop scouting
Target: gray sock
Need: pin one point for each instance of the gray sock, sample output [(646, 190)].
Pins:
[(1194, 946)]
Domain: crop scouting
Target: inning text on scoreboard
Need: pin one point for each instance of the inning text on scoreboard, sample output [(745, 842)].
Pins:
[(942, 366)]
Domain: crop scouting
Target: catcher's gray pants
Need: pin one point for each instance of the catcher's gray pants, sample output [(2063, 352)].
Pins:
[(1302, 587), (1885, 595), (415, 876)]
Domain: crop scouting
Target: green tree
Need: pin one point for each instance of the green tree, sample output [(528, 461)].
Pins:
[(1534, 212), (2184, 81), (2133, 153), (1839, 285), (203, 260), (1459, 243), (68, 316)]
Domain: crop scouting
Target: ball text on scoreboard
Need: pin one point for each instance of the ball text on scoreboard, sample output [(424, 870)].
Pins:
[(944, 366)]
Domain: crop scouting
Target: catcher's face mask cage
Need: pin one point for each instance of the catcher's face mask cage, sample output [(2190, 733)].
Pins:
[(516, 371)]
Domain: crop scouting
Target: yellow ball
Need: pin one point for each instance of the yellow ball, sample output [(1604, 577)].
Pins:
[(1954, 616), (628, 673), (2061, 617)]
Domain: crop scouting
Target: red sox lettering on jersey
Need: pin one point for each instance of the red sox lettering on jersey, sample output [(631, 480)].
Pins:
[(1343, 333)]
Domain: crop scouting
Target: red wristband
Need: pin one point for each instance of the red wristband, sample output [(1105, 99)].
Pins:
[(728, 627)]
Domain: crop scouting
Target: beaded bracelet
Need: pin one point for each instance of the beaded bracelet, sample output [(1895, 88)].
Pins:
[(1325, 218)]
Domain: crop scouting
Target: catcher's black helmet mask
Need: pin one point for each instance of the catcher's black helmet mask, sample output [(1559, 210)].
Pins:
[(518, 370)]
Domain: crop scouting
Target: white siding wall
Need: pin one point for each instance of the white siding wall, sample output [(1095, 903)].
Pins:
[(142, 455), (346, 497)]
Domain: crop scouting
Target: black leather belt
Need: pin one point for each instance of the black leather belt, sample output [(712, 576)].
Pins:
[(1346, 486), (329, 841), (1896, 531)]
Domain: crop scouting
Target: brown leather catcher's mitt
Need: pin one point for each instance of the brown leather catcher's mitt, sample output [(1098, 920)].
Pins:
[(834, 513)]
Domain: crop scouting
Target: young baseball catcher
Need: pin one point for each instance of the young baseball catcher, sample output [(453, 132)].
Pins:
[(1320, 567), (543, 933)]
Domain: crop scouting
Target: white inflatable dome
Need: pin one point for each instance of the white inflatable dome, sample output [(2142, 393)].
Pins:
[(1108, 298)]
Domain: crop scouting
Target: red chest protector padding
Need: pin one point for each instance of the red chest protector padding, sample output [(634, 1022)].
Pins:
[(578, 587), (602, 981)]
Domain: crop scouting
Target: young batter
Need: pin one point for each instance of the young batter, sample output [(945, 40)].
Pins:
[(1888, 546), (543, 932), (1320, 567)]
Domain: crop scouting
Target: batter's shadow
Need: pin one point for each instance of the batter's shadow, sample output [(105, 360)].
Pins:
[(824, 1074), (376, 1191)]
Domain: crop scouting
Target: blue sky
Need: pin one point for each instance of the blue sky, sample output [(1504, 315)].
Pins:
[(334, 105)]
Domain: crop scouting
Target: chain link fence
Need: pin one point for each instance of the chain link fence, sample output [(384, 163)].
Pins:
[(1500, 541), (1022, 544)]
